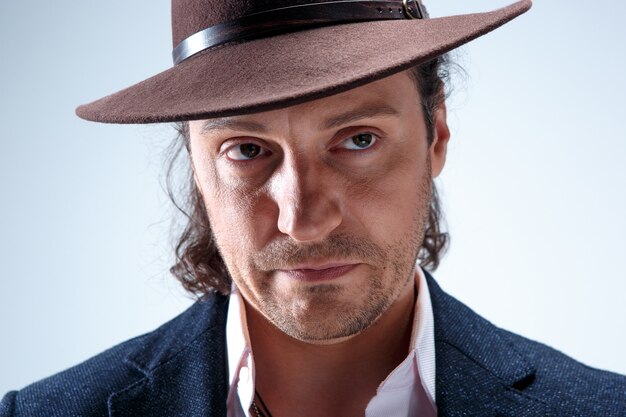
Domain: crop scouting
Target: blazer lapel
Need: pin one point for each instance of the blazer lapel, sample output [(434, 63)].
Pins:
[(184, 367), (479, 371)]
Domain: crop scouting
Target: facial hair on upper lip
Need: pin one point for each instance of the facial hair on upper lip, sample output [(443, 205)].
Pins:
[(284, 253)]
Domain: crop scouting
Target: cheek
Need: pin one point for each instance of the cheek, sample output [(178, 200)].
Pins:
[(387, 199), (234, 214)]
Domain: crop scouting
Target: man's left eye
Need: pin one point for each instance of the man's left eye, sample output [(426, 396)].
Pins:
[(360, 141)]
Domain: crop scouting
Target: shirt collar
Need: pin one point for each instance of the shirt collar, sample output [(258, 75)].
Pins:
[(240, 360), (423, 338)]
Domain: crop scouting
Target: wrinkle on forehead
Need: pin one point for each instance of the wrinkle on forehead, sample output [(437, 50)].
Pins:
[(386, 97)]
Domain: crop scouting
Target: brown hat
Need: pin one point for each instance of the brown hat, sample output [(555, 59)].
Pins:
[(244, 56)]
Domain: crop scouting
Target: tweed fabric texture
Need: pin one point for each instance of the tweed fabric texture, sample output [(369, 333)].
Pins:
[(177, 370), (269, 73), (180, 370), (486, 371)]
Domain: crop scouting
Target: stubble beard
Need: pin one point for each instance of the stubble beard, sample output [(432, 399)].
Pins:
[(327, 312)]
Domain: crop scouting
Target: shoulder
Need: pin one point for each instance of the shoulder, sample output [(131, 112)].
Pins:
[(82, 389), (513, 368), (569, 384), (86, 389)]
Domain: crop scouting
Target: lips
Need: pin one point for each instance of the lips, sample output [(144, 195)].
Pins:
[(326, 272)]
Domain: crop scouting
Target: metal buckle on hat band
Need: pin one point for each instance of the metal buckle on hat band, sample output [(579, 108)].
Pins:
[(295, 18), (413, 8)]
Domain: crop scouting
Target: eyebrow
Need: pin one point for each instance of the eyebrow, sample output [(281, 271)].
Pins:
[(362, 112), (232, 124)]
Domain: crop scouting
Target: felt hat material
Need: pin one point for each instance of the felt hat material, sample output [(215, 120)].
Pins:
[(269, 72)]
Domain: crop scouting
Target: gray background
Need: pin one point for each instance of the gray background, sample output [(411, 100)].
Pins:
[(534, 186)]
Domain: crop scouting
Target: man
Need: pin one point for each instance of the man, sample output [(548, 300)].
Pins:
[(313, 192)]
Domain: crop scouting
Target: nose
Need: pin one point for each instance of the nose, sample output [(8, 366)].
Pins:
[(309, 204)]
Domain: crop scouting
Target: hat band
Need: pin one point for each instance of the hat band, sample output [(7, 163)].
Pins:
[(294, 18)]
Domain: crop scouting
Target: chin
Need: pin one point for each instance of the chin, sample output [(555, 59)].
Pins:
[(326, 320)]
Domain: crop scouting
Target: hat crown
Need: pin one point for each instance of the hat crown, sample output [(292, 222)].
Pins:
[(191, 16), (273, 64)]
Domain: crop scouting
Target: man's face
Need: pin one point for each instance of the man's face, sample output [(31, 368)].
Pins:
[(319, 209)]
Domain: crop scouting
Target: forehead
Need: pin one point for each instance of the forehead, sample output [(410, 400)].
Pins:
[(391, 96)]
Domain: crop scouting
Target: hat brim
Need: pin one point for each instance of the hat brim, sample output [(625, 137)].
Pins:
[(284, 70)]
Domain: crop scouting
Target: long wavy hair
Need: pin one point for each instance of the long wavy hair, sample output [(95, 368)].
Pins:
[(199, 265)]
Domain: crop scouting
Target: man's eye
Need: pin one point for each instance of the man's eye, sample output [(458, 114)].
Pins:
[(245, 151), (360, 141)]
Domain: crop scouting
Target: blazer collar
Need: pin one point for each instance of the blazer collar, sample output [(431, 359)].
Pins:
[(183, 364), (479, 372)]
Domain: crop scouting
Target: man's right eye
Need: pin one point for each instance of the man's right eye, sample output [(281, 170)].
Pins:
[(245, 152)]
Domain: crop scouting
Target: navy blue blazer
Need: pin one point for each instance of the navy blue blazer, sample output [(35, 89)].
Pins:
[(180, 369)]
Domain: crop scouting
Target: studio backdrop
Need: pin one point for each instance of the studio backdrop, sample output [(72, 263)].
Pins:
[(534, 186)]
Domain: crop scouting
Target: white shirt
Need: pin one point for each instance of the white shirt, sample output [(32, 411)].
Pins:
[(409, 390)]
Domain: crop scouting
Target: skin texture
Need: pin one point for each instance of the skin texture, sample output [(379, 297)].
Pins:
[(339, 185)]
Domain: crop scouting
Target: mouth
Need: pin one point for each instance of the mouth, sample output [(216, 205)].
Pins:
[(319, 272)]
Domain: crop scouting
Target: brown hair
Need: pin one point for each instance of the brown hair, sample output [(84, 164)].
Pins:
[(199, 265)]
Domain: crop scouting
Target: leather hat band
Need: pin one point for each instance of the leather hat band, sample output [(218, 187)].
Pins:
[(293, 18)]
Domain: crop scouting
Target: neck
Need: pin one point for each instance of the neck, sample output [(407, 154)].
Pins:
[(296, 377)]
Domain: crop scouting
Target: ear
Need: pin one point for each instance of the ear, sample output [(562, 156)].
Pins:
[(439, 146)]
